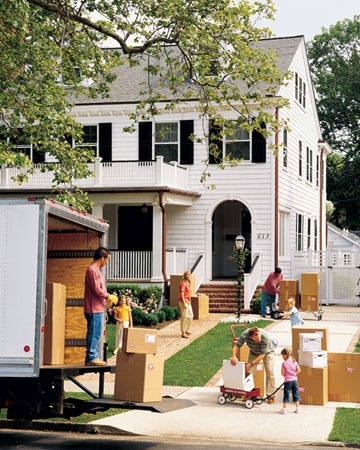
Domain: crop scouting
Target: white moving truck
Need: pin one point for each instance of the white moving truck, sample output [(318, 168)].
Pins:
[(45, 248)]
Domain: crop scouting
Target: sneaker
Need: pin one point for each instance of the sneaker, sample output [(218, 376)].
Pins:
[(95, 362), (271, 400), (115, 351), (263, 316), (297, 411), (282, 411)]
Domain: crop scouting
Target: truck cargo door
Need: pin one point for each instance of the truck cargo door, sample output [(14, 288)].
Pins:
[(20, 290)]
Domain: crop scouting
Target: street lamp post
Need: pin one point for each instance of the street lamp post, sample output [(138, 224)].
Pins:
[(240, 245)]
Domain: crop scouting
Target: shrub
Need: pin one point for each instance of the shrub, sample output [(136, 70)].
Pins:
[(150, 319), (256, 304), (169, 312), (161, 316), (138, 316)]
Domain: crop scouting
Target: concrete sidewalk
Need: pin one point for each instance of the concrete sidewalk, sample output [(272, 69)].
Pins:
[(209, 419)]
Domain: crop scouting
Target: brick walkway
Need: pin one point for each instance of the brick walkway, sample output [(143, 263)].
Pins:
[(169, 341)]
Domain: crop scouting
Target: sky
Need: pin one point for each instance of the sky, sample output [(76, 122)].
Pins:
[(307, 17)]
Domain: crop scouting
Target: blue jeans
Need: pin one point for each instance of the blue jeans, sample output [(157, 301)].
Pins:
[(264, 299), (291, 386), (93, 335)]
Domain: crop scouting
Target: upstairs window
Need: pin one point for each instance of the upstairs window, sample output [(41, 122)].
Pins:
[(300, 159), (309, 165), (90, 139), (21, 144), (317, 170), (237, 142), (167, 140), (300, 90), (98, 138), (172, 140)]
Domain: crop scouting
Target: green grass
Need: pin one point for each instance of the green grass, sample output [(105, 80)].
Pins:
[(346, 426), (197, 363)]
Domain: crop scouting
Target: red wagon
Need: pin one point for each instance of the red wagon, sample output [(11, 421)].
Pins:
[(251, 397)]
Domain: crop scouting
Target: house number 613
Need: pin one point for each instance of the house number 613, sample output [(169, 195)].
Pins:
[(263, 235)]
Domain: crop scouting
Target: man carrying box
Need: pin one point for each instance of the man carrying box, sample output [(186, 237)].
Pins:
[(261, 349)]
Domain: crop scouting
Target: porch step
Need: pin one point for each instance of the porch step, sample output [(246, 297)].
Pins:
[(223, 297)]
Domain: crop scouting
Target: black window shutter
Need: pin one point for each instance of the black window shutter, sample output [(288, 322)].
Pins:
[(105, 141), (186, 144), (215, 138), (258, 147), (38, 155), (145, 141)]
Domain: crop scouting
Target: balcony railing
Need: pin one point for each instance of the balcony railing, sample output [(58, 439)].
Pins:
[(112, 174)]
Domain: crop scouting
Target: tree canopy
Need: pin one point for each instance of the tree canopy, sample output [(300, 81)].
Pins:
[(50, 49), (335, 65)]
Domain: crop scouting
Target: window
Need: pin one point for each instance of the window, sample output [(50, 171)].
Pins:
[(21, 144), (315, 235), (299, 232), (300, 159), (237, 142), (308, 233), (172, 140), (317, 170), (167, 141), (285, 139), (90, 139), (309, 165), (300, 90)]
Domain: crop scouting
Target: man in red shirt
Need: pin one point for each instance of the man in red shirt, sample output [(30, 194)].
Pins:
[(94, 305), (270, 289)]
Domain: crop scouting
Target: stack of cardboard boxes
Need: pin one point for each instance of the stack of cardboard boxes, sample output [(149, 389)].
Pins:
[(288, 288), (310, 283), (139, 369), (309, 347)]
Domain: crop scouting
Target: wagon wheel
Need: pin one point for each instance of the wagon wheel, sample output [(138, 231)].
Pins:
[(249, 403), (222, 399)]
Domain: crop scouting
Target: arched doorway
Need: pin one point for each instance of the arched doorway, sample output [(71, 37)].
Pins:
[(229, 219)]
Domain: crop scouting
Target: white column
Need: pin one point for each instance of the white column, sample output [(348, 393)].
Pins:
[(98, 210), (157, 275)]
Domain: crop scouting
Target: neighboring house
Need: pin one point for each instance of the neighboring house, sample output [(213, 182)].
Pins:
[(163, 220)]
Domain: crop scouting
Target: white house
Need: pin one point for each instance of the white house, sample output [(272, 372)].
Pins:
[(163, 220)]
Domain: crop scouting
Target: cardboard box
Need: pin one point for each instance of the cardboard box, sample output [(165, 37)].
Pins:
[(200, 306), (313, 385), (175, 281), (309, 342), (313, 359), (54, 334), (235, 377), (310, 283), (296, 330), (259, 374), (309, 303), (344, 377), (139, 377), (140, 340)]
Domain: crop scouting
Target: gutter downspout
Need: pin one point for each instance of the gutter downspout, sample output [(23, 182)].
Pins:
[(163, 245), (321, 200), (276, 203)]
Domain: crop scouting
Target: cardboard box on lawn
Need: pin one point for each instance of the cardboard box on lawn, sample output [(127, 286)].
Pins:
[(139, 377)]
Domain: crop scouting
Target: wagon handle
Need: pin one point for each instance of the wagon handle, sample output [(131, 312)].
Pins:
[(237, 325)]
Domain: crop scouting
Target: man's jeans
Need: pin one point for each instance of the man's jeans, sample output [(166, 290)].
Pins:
[(264, 299), (94, 329)]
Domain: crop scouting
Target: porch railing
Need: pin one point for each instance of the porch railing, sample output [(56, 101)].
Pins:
[(115, 174), (129, 265)]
